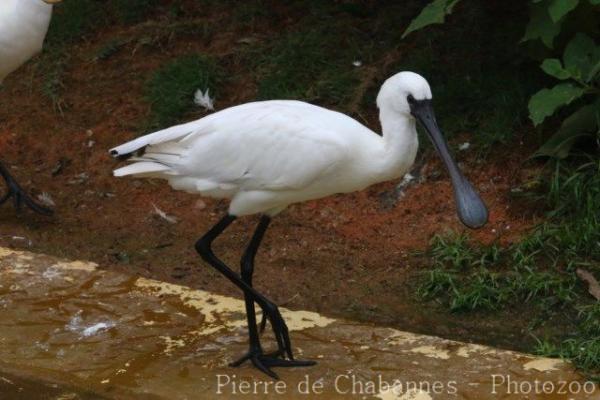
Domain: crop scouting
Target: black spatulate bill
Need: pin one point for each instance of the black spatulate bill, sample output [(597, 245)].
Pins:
[(472, 211)]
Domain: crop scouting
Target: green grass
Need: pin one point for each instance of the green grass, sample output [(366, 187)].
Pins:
[(583, 351), (133, 11), (109, 49), (589, 317), (170, 90), (538, 271), (54, 72), (312, 59), (468, 278), (307, 66), (72, 20)]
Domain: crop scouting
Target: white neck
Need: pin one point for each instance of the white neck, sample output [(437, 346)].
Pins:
[(398, 147)]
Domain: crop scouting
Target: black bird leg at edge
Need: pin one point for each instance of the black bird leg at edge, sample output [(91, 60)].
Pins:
[(19, 195), (255, 354)]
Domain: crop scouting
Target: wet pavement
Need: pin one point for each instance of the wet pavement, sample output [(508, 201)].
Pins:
[(15, 387), (71, 330)]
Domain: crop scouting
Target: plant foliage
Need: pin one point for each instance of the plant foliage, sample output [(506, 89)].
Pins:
[(577, 69), (539, 270)]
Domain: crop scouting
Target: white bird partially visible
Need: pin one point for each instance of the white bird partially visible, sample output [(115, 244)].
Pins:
[(23, 27), (267, 155)]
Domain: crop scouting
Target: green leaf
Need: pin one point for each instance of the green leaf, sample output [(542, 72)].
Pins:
[(541, 26), (559, 8), (434, 13), (581, 56), (553, 67), (595, 2), (591, 76), (545, 102), (581, 123)]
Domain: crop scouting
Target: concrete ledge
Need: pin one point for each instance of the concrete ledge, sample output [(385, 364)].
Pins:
[(92, 333)]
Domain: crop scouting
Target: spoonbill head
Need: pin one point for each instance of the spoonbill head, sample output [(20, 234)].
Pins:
[(396, 91), (267, 155), (409, 94)]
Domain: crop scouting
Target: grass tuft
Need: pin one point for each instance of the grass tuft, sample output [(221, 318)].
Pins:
[(73, 19), (582, 351), (109, 49), (538, 270), (306, 66), (170, 90)]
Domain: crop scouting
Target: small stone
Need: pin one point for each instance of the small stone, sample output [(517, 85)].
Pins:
[(200, 205)]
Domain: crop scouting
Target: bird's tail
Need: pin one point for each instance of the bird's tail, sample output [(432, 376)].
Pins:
[(155, 155), (158, 161), (143, 169)]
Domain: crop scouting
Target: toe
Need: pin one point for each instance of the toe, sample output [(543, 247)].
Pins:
[(278, 362), (241, 360), (260, 364)]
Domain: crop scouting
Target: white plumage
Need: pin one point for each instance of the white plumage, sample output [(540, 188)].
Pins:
[(23, 27), (267, 155)]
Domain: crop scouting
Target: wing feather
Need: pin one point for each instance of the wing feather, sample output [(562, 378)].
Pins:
[(273, 145)]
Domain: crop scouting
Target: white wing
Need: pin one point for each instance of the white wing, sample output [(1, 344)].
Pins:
[(273, 145)]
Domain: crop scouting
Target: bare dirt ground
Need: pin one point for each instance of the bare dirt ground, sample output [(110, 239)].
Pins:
[(352, 255)]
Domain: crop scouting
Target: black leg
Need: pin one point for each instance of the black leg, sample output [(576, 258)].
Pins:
[(248, 266), (19, 196), (255, 355), (247, 269)]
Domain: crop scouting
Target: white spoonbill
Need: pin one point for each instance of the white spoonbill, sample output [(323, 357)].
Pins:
[(23, 27), (267, 155)]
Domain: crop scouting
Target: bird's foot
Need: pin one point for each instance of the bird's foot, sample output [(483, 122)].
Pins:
[(264, 362), (20, 197), (280, 330)]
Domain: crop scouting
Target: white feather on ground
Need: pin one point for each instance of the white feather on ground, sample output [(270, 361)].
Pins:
[(46, 199), (204, 100), (164, 215)]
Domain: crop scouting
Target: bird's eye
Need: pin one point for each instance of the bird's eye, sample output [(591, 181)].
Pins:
[(411, 100)]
